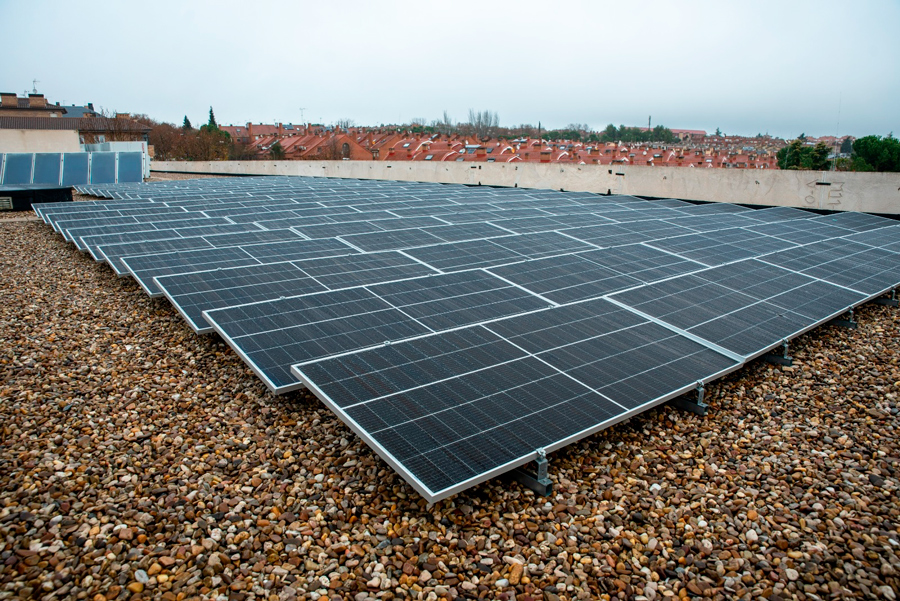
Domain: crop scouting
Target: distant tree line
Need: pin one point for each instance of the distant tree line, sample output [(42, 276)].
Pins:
[(660, 133), (486, 124)]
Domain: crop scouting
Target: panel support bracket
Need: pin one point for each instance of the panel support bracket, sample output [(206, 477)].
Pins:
[(783, 359), (694, 405), (845, 323), (890, 302), (537, 481)]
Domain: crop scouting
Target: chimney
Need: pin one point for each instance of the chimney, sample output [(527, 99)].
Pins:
[(280, 130), (37, 101), (8, 100)]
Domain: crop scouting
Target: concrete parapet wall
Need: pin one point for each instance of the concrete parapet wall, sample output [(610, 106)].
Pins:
[(842, 191), (39, 140)]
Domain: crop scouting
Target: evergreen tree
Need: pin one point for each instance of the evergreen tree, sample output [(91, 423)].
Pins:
[(276, 152), (187, 124), (874, 153), (212, 120), (797, 155)]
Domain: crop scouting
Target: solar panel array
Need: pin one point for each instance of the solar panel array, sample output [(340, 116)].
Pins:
[(461, 330), (70, 168)]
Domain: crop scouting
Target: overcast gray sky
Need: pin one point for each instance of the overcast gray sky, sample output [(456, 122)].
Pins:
[(784, 67)]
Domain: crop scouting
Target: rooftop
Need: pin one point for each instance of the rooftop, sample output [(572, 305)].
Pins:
[(179, 442)]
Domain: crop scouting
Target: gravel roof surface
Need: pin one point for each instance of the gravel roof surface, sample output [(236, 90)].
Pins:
[(138, 460)]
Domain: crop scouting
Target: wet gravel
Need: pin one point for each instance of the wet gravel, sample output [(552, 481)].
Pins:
[(138, 460)]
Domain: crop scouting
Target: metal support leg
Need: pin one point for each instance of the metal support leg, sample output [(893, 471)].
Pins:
[(538, 481), (890, 302), (845, 323), (783, 359), (696, 405)]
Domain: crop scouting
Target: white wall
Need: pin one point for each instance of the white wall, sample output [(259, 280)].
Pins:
[(39, 140), (846, 191)]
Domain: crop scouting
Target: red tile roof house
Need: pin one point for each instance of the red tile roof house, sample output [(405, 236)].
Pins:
[(309, 142)]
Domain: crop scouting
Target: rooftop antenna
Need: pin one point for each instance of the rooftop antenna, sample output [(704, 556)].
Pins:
[(837, 128), (302, 108), (34, 83)]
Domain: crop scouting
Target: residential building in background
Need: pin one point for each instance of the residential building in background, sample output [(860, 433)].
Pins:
[(693, 148)]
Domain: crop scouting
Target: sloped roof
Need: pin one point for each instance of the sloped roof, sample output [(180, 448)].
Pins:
[(86, 124)]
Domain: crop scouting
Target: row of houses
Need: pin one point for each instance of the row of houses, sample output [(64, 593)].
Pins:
[(30, 123), (311, 142)]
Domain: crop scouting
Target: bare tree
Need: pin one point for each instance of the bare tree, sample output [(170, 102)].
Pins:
[(582, 127), (483, 124), (166, 140), (345, 123), (445, 124)]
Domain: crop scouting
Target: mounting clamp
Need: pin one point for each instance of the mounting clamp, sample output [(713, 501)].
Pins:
[(538, 481), (696, 405), (783, 359), (890, 302), (845, 323)]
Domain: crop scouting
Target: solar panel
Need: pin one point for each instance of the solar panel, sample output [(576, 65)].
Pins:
[(858, 222), (273, 335), (395, 240), (713, 208), (542, 244), (114, 253), (461, 330), (454, 300), (103, 167), (870, 271), (363, 269), (885, 237), (47, 168), (565, 279), (642, 262), (91, 243), (800, 231), (148, 267), (333, 230), (710, 223), (619, 234), (779, 214), (456, 256), (741, 306), (453, 409), (18, 168), (721, 247), (131, 167), (400, 310), (196, 292), (75, 168)]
